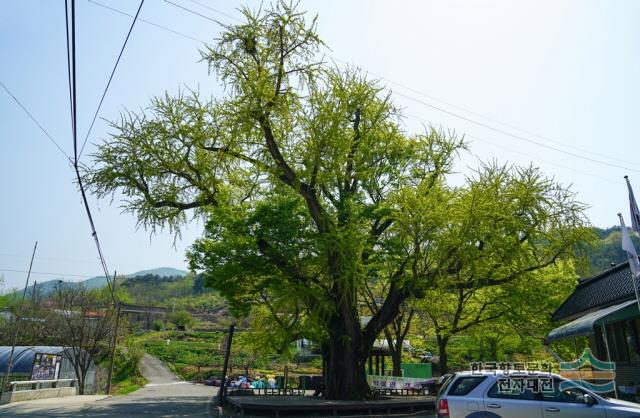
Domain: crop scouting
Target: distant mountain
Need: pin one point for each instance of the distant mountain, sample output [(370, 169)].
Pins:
[(99, 282), (160, 271)]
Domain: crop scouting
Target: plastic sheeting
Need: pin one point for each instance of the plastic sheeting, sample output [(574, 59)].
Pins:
[(23, 357)]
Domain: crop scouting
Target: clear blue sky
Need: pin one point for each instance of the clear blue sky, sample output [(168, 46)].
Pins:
[(564, 70)]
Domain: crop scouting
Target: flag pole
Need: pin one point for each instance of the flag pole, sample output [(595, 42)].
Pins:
[(634, 265), (633, 208)]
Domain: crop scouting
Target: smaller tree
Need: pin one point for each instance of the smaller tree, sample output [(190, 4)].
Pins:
[(396, 332), (82, 321), (202, 360), (507, 229), (32, 323), (520, 308), (243, 358)]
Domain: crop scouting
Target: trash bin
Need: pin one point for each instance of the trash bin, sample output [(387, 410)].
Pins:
[(280, 382), (304, 382), (316, 382)]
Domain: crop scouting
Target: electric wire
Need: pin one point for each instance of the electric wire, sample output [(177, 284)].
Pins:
[(47, 273), (15, 99), (148, 22), (62, 260), (514, 127), (72, 85), (456, 115), (494, 144), (192, 11), (519, 137), (543, 160), (216, 10), (66, 20), (443, 110), (106, 88)]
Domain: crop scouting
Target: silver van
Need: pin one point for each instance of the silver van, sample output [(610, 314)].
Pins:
[(493, 394)]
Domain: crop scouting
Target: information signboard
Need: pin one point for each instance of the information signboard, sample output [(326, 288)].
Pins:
[(46, 366)]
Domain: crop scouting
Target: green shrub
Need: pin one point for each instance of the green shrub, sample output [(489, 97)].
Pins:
[(182, 320)]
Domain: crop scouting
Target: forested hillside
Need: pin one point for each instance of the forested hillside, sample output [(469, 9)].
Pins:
[(176, 292), (607, 250)]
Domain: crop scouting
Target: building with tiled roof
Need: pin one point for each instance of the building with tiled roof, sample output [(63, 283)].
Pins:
[(604, 309)]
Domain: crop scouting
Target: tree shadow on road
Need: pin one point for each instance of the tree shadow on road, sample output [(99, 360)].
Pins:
[(179, 406)]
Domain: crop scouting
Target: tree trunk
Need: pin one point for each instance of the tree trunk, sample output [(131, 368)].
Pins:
[(81, 378), (442, 351), (493, 349), (396, 359), (345, 374), (395, 349)]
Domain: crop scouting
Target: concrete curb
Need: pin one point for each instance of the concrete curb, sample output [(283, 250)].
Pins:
[(65, 400)]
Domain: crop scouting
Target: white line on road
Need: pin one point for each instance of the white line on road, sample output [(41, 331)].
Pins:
[(167, 384)]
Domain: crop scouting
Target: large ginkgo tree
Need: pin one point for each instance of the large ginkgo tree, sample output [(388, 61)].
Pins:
[(311, 189)]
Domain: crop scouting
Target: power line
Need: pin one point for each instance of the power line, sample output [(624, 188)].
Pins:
[(66, 20), (192, 11), (521, 138), (216, 10), (93, 121), (148, 22), (543, 160), (460, 108), (72, 85), (64, 260), (440, 109), (404, 86), (46, 273), (523, 153), (35, 120)]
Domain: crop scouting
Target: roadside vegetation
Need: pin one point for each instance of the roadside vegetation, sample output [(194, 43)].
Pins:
[(126, 373)]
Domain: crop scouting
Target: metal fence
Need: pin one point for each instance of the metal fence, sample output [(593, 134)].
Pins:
[(11, 378), (277, 391), (401, 392), (22, 385)]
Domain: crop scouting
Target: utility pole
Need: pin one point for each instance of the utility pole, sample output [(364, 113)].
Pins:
[(223, 381), (19, 318), (33, 292), (114, 337)]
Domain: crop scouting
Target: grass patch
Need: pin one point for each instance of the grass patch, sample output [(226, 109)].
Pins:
[(126, 375), (128, 385)]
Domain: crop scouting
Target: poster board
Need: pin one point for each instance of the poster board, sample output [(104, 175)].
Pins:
[(393, 382), (46, 366)]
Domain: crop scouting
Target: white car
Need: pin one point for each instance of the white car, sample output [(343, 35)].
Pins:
[(489, 394)]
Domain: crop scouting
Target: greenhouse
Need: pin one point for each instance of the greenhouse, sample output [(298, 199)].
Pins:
[(42, 363)]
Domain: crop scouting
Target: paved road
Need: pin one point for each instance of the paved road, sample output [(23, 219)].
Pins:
[(164, 396)]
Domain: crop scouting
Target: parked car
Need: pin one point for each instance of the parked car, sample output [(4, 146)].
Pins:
[(486, 394)]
